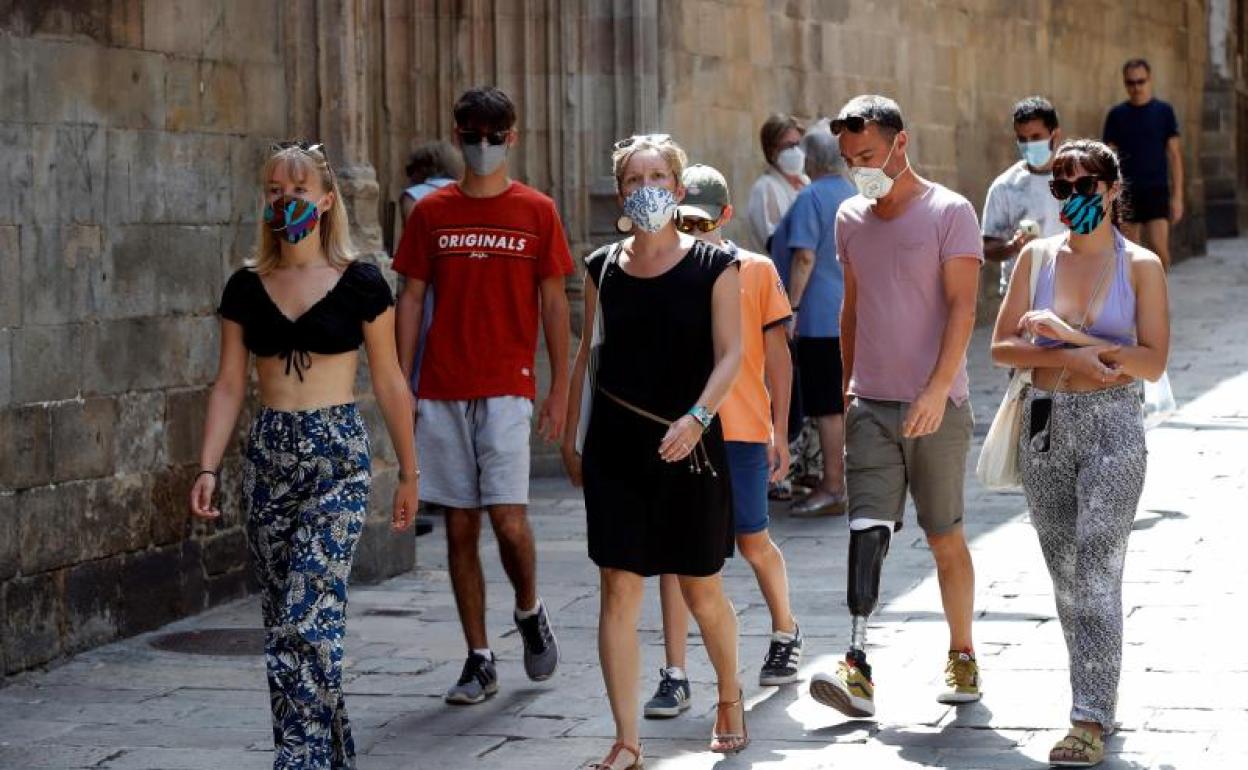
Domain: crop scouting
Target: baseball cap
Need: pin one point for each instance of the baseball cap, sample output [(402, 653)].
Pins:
[(706, 192)]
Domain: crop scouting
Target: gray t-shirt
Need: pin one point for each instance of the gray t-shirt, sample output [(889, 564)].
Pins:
[(1016, 195)]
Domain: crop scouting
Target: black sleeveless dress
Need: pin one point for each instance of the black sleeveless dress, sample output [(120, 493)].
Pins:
[(646, 515)]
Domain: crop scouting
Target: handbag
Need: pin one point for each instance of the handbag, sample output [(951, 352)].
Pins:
[(590, 383), (998, 458)]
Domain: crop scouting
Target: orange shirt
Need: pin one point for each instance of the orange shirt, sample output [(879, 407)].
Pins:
[(746, 412)]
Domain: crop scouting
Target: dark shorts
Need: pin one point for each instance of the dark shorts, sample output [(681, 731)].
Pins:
[(819, 375), (1146, 203), (748, 469)]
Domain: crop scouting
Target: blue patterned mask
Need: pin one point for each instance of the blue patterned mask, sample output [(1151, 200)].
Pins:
[(1083, 213), (650, 208)]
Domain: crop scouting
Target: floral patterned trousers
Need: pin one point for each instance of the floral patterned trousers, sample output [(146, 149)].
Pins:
[(305, 486)]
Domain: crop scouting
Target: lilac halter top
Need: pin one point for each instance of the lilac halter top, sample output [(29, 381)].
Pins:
[(1116, 320)]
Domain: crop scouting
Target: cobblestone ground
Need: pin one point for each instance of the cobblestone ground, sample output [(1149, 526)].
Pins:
[(1184, 695)]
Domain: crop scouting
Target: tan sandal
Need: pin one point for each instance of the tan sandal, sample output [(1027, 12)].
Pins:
[(1080, 748), (729, 743), (608, 762)]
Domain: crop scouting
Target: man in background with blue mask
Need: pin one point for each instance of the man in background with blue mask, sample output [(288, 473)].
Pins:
[(494, 252), (1019, 207)]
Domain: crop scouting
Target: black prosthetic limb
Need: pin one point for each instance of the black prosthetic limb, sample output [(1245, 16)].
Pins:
[(867, 549)]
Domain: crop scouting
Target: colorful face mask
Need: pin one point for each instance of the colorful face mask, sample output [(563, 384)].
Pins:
[(292, 218), (650, 208), (1083, 213)]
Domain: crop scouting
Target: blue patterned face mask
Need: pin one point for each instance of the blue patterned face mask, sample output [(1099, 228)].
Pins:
[(1083, 213), (650, 208)]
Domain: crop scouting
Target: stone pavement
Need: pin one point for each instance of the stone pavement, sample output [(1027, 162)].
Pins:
[(1184, 695)]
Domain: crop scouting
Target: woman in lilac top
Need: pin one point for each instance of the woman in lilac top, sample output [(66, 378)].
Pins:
[(1097, 326)]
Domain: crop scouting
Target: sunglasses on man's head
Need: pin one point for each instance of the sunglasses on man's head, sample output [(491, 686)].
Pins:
[(851, 123), (629, 141), (1135, 83), (689, 225), (1084, 185), (470, 136)]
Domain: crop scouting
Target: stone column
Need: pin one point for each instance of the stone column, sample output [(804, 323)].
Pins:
[(343, 118)]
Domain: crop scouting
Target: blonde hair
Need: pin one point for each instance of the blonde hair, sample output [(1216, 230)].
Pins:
[(663, 144), (299, 161)]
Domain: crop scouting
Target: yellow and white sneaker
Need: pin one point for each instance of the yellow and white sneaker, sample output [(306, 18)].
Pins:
[(850, 691), (961, 679)]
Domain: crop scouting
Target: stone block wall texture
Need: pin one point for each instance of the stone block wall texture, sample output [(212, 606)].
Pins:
[(131, 132), (131, 136)]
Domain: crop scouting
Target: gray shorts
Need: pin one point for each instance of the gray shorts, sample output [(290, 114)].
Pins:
[(474, 453), (880, 464)]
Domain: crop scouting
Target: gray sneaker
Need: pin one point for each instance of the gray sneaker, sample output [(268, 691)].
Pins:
[(672, 697), (541, 649), (478, 681)]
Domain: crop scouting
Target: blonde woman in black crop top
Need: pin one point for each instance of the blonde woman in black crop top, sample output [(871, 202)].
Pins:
[(302, 308)]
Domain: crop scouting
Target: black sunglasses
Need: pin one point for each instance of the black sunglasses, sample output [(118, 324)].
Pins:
[(629, 141), (688, 225), (852, 123), (1084, 185), (470, 136), (1134, 83)]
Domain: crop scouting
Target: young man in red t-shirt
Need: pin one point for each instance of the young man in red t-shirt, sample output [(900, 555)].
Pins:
[(494, 252)]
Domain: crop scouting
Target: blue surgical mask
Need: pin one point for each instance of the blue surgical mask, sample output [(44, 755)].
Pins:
[(1036, 154)]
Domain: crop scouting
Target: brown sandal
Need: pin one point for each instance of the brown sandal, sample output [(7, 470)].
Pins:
[(730, 743), (1080, 748), (608, 762)]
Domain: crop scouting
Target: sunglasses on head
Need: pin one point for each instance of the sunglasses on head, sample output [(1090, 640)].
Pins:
[(1135, 83), (629, 141), (308, 147), (1084, 185), (472, 136), (689, 225), (851, 123)]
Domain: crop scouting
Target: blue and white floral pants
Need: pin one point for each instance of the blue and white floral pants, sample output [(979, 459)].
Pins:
[(305, 485)]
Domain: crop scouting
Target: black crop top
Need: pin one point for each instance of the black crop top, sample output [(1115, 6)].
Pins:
[(334, 324)]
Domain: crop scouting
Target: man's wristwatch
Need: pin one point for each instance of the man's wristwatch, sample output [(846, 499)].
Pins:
[(702, 415)]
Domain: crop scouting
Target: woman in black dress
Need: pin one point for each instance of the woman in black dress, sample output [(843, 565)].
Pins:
[(657, 495)]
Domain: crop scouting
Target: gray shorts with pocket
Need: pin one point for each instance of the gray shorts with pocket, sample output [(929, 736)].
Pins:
[(880, 464), (474, 453)]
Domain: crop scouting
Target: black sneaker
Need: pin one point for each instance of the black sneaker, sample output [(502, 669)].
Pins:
[(672, 697), (541, 649), (478, 681), (783, 660)]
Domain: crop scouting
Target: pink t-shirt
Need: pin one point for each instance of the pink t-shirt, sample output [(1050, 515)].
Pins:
[(901, 310)]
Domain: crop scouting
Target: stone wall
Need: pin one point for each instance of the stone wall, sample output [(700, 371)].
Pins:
[(131, 135), (1224, 163), (131, 132)]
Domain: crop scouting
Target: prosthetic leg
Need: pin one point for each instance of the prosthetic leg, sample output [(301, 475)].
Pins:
[(868, 545), (851, 691)]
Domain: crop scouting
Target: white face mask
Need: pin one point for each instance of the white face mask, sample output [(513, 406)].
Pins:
[(484, 159), (874, 183), (791, 161)]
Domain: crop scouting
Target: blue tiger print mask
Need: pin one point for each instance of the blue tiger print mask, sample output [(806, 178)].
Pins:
[(1083, 213)]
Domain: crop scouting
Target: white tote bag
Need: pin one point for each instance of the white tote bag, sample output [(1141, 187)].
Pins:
[(590, 383), (998, 459)]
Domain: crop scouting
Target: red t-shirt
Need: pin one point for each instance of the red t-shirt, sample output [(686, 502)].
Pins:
[(484, 258)]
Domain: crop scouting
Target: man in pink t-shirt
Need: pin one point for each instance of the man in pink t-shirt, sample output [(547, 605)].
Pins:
[(911, 250)]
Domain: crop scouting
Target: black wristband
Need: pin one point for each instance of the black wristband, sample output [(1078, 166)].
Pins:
[(214, 474)]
